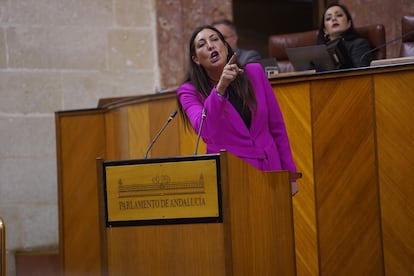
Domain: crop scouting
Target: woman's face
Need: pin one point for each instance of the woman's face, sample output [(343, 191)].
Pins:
[(336, 22), (210, 52)]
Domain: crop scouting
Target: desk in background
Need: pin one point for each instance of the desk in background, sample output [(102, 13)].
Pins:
[(352, 137)]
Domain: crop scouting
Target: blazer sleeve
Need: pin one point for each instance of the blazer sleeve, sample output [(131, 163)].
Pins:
[(276, 124), (359, 51), (193, 105)]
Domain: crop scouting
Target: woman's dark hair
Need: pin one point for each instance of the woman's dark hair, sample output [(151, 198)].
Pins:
[(197, 75), (322, 38)]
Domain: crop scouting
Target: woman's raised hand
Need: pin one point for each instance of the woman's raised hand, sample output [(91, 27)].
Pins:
[(230, 72)]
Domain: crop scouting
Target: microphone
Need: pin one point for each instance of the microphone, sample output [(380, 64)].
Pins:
[(203, 117), (385, 44), (172, 115)]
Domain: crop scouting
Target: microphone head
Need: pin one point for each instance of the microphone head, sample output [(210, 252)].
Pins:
[(172, 115)]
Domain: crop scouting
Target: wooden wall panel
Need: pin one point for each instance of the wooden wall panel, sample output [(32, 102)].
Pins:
[(346, 192), (168, 142), (394, 101), (163, 249), (294, 101), (188, 139), (116, 134), (138, 130), (80, 139), (130, 128), (257, 219)]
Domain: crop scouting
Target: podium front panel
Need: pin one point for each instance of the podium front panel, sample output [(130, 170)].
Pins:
[(162, 191)]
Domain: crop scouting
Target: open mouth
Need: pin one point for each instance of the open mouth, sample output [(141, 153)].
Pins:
[(214, 57)]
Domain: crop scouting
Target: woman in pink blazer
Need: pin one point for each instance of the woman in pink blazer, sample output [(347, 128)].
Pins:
[(242, 113)]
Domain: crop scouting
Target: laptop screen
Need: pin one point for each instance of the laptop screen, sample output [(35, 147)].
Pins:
[(315, 57)]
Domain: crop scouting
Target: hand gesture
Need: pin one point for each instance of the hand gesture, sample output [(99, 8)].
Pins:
[(229, 74)]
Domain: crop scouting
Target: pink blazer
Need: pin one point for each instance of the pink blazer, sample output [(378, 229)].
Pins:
[(265, 145)]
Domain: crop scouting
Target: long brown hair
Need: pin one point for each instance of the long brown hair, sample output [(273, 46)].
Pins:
[(198, 77)]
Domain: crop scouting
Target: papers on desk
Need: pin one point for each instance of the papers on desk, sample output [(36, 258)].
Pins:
[(392, 61), (291, 74)]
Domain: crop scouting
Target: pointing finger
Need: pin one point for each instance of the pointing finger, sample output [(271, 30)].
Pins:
[(232, 59)]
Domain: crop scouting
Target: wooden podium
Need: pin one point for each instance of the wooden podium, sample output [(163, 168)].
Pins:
[(239, 221)]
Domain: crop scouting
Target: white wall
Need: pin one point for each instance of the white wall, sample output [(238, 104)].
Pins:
[(60, 55)]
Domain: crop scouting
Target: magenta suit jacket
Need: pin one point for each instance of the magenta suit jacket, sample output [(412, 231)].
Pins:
[(265, 145)]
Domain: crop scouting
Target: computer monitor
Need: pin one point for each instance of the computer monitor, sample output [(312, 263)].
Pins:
[(315, 57), (320, 57)]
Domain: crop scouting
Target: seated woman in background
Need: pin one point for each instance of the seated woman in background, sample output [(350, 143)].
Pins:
[(337, 26)]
